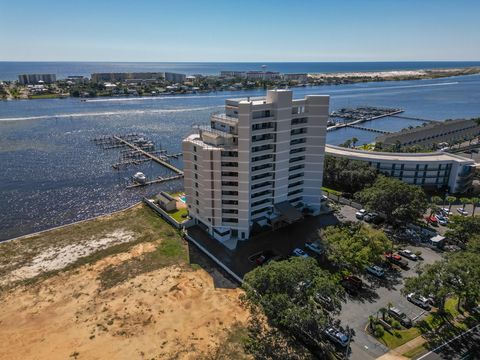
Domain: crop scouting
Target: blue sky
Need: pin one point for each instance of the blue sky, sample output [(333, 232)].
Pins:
[(281, 30)]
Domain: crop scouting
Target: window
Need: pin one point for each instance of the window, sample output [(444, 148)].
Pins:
[(196, 185), (196, 176), (298, 141), (195, 157), (194, 149), (295, 184), (296, 151), (299, 121), (195, 167), (295, 159)]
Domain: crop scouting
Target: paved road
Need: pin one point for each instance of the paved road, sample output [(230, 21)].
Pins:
[(465, 347)]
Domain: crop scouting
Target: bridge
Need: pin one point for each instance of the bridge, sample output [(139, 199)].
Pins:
[(369, 129)]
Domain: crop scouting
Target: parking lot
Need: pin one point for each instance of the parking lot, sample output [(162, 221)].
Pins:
[(357, 309)]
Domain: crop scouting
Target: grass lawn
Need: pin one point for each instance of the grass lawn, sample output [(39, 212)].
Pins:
[(177, 215), (44, 96), (399, 337), (331, 191)]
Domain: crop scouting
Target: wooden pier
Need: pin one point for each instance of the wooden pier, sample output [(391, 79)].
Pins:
[(369, 129), (359, 121), (156, 181), (149, 155)]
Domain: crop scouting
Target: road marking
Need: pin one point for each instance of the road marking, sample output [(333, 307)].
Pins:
[(448, 342)]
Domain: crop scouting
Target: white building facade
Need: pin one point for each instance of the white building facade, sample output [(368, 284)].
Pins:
[(260, 162), (428, 170)]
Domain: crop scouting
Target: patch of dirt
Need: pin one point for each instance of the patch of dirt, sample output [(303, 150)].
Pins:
[(172, 312)]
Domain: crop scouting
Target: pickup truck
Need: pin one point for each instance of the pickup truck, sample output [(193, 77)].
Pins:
[(396, 260)]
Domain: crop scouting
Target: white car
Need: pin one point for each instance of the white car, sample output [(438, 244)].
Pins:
[(446, 212), (317, 249), (408, 254), (360, 214), (375, 270), (419, 300), (337, 336), (462, 211), (300, 253)]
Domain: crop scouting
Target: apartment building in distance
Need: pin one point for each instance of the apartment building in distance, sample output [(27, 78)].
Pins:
[(436, 132), (259, 162), (33, 79), (138, 76)]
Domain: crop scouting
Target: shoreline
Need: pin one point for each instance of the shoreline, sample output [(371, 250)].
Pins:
[(314, 79), (26, 236)]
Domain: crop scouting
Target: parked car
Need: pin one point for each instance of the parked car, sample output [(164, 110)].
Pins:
[(446, 212), (264, 257), (315, 247), (337, 336), (360, 214), (396, 259), (352, 283), (300, 253), (442, 220), (462, 211), (375, 270), (408, 254), (401, 317), (419, 300), (432, 220), (324, 301)]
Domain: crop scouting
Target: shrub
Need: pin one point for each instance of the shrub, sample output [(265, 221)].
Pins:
[(379, 331), (396, 325)]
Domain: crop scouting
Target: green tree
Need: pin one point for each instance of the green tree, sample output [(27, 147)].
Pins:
[(347, 175), (450, 200), (286, 292), (435, 202), (475, 202), (397, 200), (355, 245), (354, 141), (462, 228)]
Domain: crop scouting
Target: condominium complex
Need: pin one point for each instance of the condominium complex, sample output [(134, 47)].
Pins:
[(442, 131), (139, 76), (429, 170), (259, 162), (26, 79)]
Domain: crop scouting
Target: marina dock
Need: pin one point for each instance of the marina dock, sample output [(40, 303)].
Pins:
[(156, 181), (148, 155)]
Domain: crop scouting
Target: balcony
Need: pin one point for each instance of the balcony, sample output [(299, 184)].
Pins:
[(224, 118)]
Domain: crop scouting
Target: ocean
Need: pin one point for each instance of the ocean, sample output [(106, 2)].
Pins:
[(9, 70), (53, 174)]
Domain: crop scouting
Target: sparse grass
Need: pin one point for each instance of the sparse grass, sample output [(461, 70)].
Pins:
[(44, 96), (170, 251), (140, 220), (416, 351), (231, 346)]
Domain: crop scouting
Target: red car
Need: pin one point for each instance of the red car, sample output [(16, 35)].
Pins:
[(352, 281), (396, 259), (432, 220)]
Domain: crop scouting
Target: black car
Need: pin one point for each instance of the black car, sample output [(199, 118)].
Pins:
[(401, 317)]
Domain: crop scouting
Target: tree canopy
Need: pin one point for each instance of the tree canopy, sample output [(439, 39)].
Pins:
[(457, 274), (462, 228), (355, 245), (347, 175), (395, 199), (286, 292)]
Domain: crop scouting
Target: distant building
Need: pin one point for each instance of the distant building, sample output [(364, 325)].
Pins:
[(295, 77), (77, 79), (232, 74), (448, 131), (121, 77), (261, 162), (25, 79), (262, 75), (174, 77), (429, 170)]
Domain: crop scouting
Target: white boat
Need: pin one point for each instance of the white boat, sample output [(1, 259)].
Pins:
[(140, 178)]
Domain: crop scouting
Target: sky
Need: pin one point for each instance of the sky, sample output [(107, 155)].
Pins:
[(239, 30)]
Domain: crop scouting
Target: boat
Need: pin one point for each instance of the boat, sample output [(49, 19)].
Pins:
[(139, 178)]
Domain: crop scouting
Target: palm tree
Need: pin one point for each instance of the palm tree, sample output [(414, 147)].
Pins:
[(383, 311), (465, 201), (371, 322), (475, 202), (435, 201), (450, 200)]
